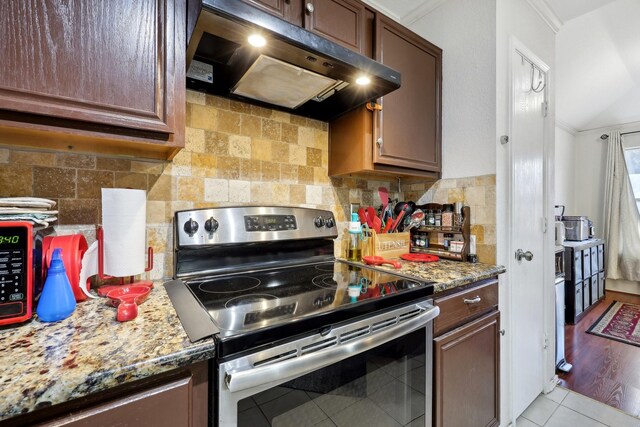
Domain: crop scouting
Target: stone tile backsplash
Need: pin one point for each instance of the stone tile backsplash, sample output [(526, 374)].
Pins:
[(479, 193), (235, 154)]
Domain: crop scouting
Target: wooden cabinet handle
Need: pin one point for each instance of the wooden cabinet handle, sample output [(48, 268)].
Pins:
[(472, 300)]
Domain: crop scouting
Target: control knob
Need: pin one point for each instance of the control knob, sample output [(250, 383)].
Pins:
[(318, 221), (330, 223), (211, 225), (191, 227)]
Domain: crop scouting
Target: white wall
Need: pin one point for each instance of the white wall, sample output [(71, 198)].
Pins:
[(465, 30), (517, 19), (589, 165), (565, 193)]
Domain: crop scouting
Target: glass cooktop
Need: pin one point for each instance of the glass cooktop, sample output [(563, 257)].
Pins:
[(248, 302)]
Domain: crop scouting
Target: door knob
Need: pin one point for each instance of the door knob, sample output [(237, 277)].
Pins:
[(310, 7), (522, 254)]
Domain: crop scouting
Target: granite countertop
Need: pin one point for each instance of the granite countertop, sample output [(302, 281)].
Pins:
[(42, 364), (447, 274)]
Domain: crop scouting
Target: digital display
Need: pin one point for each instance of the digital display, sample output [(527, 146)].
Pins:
[(6, 240), (269, 222), (11, 237)]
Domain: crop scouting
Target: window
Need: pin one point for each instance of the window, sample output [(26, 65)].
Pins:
[(632, 157)]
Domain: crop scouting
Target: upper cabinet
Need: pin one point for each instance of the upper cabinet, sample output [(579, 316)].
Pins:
[(289, 10), (401, 135), (341, 21), (104, 76)]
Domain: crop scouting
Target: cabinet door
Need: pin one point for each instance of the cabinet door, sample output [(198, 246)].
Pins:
[(342, 21), (577, 266), (181, 401), (578, 300), (601, 257), (408, 131), (109, 63), (586, 263), (289, 10), (467, 374), (594, 260), (601, 285), (594, 289)]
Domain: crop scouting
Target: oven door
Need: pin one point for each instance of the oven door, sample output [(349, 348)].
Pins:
[(376, 371)]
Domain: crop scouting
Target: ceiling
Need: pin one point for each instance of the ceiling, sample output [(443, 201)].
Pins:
[(597, 57)]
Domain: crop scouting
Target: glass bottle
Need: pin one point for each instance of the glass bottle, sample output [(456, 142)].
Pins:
[(438, 218), (431, 220), (354, 252)]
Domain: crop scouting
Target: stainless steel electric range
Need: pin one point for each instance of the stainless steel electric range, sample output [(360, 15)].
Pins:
[(301, 338)]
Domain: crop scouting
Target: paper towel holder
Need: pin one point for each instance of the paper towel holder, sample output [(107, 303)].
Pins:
[(102, 276)]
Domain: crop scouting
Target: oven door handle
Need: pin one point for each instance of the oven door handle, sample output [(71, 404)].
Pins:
[(301, 365)]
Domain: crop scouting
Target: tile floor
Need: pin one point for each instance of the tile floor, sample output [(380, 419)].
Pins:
[(564, 408)]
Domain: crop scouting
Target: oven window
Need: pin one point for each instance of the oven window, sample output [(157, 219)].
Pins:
[(382, 387)]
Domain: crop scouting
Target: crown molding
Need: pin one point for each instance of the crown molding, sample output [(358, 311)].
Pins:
[(419, 12), (567, 127), (547, 14), (374, 4)]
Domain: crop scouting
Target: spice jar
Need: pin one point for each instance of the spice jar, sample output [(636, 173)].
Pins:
[(447, 216), (438, 218)]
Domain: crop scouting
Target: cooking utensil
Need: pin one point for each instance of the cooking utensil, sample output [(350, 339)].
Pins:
[(419, 257), (406, 208), (105, 289), (127, 299), (378, 260), (416, 219), (373, 220), (384, 198)]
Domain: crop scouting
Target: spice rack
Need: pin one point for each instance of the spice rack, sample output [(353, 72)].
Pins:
[(435, 234)]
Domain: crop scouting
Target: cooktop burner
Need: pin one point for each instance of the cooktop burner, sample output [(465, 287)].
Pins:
[(244, 302), (229, 285)]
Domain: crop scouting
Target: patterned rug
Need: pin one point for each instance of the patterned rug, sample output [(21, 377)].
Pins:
[(620, 322)]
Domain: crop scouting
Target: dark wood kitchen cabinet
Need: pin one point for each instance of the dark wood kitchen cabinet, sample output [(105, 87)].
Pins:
[(93, 75), (403, 138), (467, 358), (346, 22), (178, 398)]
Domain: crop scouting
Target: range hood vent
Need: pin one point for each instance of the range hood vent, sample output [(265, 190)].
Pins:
[(296, 71), (285, 85)]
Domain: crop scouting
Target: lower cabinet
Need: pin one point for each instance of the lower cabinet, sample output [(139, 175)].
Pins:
[(179, 398), (467, 369)]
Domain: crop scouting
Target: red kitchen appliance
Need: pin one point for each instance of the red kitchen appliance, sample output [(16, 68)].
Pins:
[(25, 254), (20, 267)]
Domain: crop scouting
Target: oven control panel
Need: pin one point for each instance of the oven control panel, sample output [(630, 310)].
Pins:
[(269, 222), (248, 224)]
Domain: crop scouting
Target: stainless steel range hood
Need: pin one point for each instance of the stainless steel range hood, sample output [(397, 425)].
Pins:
[(296, 70)]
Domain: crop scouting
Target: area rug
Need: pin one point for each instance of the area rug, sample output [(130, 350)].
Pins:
[(620, 322)]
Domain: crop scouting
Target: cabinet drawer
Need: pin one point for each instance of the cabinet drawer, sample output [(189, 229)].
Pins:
[(461, 307)]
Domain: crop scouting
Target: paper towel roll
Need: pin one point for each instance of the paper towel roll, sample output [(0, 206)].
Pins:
[(124, 220)]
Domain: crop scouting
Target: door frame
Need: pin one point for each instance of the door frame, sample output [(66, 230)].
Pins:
[(548, 382)]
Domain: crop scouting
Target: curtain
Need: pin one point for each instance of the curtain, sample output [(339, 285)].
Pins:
[(621, 217)]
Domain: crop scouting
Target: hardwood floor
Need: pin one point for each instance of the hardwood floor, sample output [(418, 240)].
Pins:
[(603, 369)]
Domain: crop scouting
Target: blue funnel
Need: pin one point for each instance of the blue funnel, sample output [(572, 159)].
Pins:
[(56, 301)]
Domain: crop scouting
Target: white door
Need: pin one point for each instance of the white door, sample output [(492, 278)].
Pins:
[(527, 232)]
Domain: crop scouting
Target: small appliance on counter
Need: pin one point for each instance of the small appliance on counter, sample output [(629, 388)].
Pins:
[(25, 254), (578, 228)]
